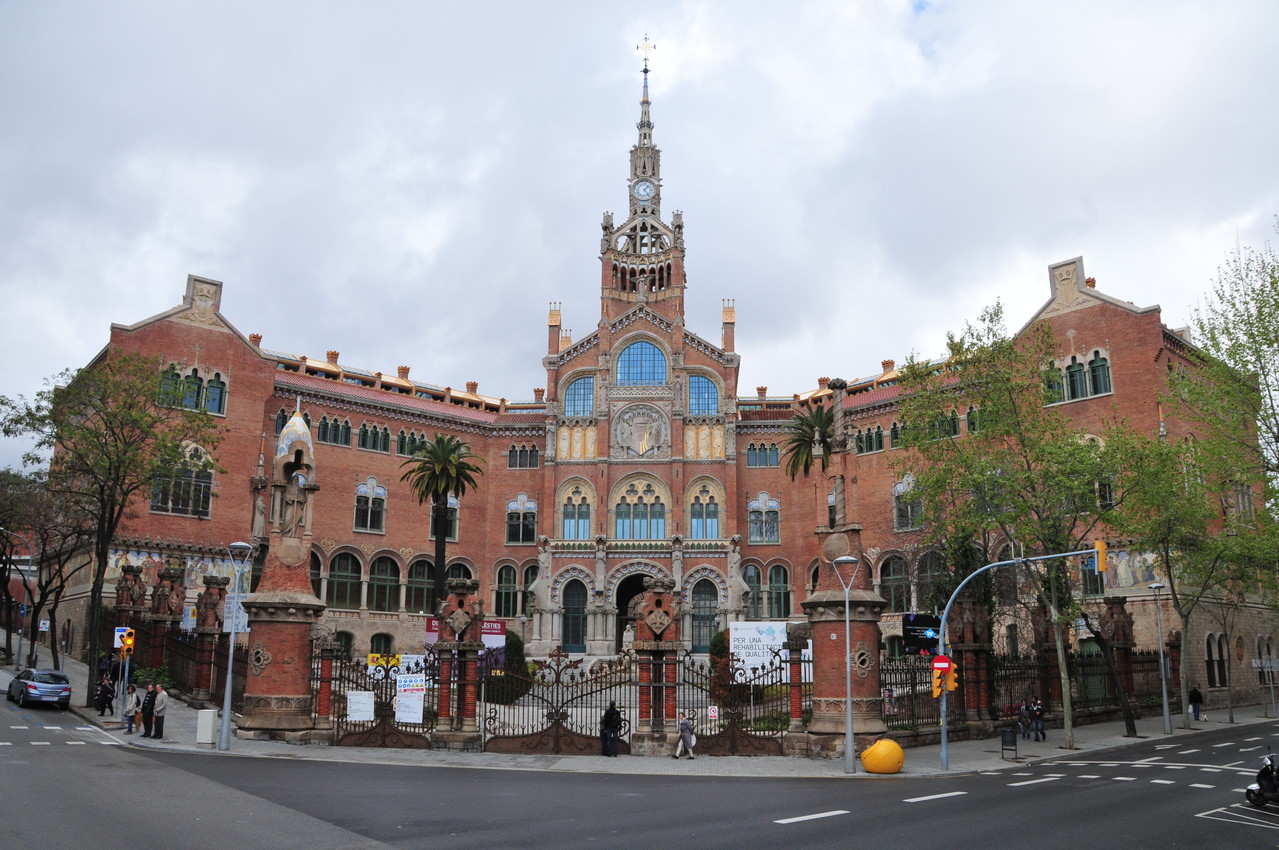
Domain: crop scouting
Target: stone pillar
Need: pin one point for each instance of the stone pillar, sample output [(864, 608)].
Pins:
[(208, 627), (657, 646), (461, 617), (968, 634), (328, 648), (167, 598), (1115, 624), (129, 608), (283, 612), (798, 636), (825, 610)]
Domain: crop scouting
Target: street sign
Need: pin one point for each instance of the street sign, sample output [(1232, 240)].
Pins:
[(920, 633), (941, 662), (119, 635), (44, 624), (712, 712)]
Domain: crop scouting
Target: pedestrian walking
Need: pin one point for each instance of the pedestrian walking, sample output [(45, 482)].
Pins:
[(1037, 720), (610, 729), (1023, 720), (687, 740), (161, 705), (132, 709), (1196, 700), (148, 710), (104, 699)]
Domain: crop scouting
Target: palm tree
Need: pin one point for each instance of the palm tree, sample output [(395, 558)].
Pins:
[(809, 439), (440, 468)]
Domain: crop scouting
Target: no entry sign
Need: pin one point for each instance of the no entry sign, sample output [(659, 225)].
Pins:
[(941, 662)]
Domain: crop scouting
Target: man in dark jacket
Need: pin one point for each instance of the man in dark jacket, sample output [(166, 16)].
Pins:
[(148, 710), (611, 729)]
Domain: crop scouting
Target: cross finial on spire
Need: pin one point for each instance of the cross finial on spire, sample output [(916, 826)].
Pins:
[(645, 49)]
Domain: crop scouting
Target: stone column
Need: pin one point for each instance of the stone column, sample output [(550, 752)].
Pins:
[(657, 646), (825, 610), (798, 636), (283, 612), (167, 598), (461, 617), (208, 627), (1115, 624), (969, 637)]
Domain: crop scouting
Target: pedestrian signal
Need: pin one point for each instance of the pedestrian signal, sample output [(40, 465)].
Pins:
[(127, 641)]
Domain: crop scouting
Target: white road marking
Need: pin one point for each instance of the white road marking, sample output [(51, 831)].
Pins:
[(1162, 782), (1023, 773), (1032, 782), (1227, 744), (109, 743), (1248, 749), (19, 727), (77, 743), (1198, 785), (1165, 746), (1210, 770), (935, 797), (1187, 752), (1152, 758), (6, 743), (1174, 767), (40, 743), (1253, 739), (1124, 778), (1090, 776), (813, 817)]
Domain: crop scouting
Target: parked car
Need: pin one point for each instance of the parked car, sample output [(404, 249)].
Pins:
[(40, 686)]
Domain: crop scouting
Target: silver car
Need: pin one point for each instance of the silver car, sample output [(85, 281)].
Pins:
[(40, 686)]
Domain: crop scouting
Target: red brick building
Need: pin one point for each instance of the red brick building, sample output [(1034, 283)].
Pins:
[(639, 458)]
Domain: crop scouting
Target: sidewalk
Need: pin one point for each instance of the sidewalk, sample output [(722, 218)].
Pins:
[(965, 756)]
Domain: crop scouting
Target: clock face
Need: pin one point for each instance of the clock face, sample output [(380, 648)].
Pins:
[(644, 190)]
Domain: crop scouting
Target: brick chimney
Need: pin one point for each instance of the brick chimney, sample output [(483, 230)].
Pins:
[(762, 392), (1090, 282), (822, 382), (472, 387), (333, 356), (403, 372), (538, 394), (888, 365), (255, 339)]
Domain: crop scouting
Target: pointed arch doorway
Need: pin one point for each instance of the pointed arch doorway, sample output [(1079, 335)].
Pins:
[(627, 589)]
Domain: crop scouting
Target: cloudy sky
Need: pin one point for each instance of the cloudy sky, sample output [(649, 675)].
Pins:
[(423, 177)]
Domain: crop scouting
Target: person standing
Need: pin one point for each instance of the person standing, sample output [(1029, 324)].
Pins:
[(1196, 699), (132, 708), (1037, 719), (686, 738), (1023, 720), (148, 710), (611, 729), (105, 697), (161, 705)]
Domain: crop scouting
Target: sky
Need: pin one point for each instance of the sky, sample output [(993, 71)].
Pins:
[(411, 183)]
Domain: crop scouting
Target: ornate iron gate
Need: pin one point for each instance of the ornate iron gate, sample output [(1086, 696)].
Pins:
[(752, 704), (384, 730), (558, 706)]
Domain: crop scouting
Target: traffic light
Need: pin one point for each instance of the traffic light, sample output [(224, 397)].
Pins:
[(952, 676), (1101, 555), (939, 678), (127, 641)]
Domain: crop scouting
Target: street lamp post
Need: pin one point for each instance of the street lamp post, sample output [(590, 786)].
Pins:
[(240, 553), (850, 762), (1163, 670)]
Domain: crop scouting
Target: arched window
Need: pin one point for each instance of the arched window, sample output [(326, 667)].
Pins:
[(459, 571), (346, 644), (171, 388), (370, 506), (574, 616), (895, 436), (641, 364), (579, 398), (894, 647), (1223, 660), (778, 592), (875, 439), (1076, 380), (281, 419), (973, 424), (859, 442), (754, 607), (705, 603), (384, 440), (640, 514), (421, 588), (577, 516), (932, 572), (703, 396), (382, 644), (907, 506), (452, 519), (344, 582), (1054, 388), (384, 585), (704, 516), (334, 432), (763, 454), (193, 390), (508, 594), (1210, 661), (764, 519), (894, 584), (189, 491), (1099, 373), (521, 521), (522, 456), (215, 395)]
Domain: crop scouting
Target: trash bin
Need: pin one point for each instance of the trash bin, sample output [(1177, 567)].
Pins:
[(1008, 743), (883, 756), (206, 725)]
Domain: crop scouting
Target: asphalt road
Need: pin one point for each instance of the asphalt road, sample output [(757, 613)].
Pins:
[(68, 784)]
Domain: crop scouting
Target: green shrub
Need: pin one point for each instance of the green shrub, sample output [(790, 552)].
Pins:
[(511, 682), (141, 675)]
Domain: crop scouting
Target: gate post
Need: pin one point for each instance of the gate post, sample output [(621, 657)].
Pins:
[(798, 637), (657, 644), (1115, 624), (445, 709), (826, 614), (970, 641), (167, 600), (325, 648), (208, 625), (461, 617)]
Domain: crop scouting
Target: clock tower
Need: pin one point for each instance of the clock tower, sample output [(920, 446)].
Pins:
[(643, 258)]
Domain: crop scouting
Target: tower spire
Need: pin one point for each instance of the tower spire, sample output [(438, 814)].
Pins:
[(645, 124)]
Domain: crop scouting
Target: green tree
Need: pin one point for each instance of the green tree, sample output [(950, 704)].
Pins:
[(1025, 474), (113, 434), (809, 439), (441, 468)]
